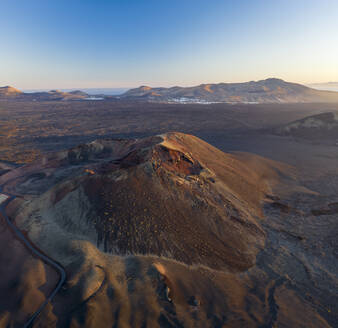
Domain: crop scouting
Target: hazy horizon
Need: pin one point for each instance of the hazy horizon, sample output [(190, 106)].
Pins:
[(328, 86), (90, 91)]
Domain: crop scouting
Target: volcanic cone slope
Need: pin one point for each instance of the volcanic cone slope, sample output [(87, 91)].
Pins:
[(172, 196)]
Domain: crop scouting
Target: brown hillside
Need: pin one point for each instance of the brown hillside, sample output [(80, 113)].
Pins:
[(173, 196), (126, 217), (9, 91)]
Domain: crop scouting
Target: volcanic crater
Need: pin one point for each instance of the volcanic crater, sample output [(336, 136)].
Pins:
[(171, 195)]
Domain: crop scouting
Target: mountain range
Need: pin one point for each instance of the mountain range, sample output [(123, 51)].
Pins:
[(271, 90)]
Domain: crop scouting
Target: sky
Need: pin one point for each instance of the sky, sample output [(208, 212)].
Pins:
[(127, 43)]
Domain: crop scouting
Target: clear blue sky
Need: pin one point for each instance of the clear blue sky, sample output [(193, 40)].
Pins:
[(125, 43)]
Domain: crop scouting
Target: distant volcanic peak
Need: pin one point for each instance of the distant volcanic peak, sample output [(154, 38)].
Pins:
[(78, 93), (8, 90), (145, 88), (208, 88), (55, 91), (11, 93), (273, 80)]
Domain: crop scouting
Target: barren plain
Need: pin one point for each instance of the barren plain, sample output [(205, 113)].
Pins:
[(273, 262)]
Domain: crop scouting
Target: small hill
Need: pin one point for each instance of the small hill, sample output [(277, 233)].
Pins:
[(317, 127), (9, 91), (78, 93), (57, 95), (271, 90)]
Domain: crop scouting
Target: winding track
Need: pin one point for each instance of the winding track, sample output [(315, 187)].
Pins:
[(35, 251)]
